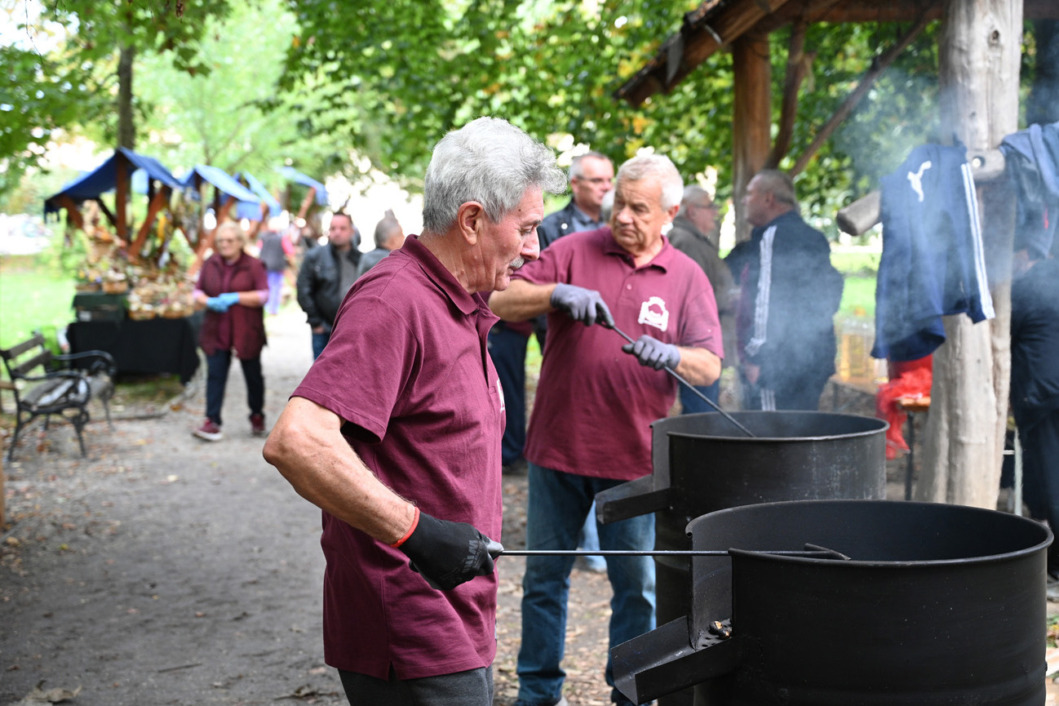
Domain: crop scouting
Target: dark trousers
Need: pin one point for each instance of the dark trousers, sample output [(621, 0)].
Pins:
[(803, 393), (508, 350), (471, 688), (691, 403), (320, 340), (1040, 469), (217, 366)]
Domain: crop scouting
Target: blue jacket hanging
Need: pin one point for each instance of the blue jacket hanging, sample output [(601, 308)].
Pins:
[(1032, 160), (932, 263)]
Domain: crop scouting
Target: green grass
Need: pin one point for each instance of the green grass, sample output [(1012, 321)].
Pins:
[(858, 298), (32, 296)]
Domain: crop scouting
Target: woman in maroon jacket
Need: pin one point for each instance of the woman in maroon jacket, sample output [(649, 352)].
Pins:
[(233, 288)]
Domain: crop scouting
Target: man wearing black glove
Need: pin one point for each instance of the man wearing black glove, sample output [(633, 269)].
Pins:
[(590, 428), (404, 455)]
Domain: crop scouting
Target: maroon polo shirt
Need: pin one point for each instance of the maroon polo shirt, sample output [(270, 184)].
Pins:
[(595, 403), (407, 368)]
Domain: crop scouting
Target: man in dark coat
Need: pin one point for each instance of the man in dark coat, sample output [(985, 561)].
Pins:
[(789, 293), (695, 233), (1035, 383), (325, 276)]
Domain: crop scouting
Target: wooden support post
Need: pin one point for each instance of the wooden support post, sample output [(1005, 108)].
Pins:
[(121, 197), (73, 213), (111, 218), (161, 198), (979, 77), (797, 67), (752, 119), (303, 211)]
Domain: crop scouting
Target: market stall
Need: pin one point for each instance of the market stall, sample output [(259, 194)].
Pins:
[(127, 276), (226, 198)]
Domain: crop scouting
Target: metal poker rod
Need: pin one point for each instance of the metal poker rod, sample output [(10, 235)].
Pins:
[(688, 385), (823, 553)]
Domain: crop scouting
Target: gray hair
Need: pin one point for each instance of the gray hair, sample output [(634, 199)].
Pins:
[(490, 161), (384, 229), (657, 166), (779, 184), (693, 194), (576, 170)]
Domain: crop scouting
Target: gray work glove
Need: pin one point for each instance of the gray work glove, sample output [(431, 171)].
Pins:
[(448, 553), (653, 353), (584, 305)]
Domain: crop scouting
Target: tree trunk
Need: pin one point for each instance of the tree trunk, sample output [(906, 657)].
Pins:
[(126, 126), (979, 78)]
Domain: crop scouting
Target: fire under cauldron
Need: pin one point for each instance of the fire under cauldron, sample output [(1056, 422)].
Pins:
[(915, 603), (702, 463)]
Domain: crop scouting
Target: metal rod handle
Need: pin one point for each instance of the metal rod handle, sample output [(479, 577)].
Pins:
[(660, 552), (691, 387)]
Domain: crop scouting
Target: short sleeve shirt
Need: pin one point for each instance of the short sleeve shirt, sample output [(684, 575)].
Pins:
[(408, 370), (595, 403)]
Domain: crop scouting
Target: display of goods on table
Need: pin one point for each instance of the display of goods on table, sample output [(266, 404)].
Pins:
[(150, 290)]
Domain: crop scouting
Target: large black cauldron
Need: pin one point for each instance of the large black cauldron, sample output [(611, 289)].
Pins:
[(936, 604), (702, 463)]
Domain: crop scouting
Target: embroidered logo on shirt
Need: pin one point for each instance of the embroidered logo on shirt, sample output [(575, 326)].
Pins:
[(653, 312), (916, 180)]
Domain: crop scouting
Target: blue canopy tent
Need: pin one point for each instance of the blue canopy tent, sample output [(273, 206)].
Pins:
[(249, 211), (225, 186), (115, 174), (315, 188)]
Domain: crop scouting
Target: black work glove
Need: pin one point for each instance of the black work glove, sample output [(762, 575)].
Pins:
[(448, 553), (584, 305), (653, 353)]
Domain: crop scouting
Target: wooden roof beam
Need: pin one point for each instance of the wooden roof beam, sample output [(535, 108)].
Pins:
[(714, 25), (878, 66), (697, 41)]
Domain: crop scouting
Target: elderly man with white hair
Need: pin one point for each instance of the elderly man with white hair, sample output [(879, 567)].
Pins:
[(402, 451), (590, 428)]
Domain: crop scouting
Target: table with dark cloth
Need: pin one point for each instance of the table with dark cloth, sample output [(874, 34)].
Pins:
[(152, 346)]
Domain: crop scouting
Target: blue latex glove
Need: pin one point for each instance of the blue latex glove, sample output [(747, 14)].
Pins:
[(653, 353), (584, 305), (222, 302)]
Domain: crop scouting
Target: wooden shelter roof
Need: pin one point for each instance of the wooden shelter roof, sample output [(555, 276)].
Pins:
[(716, 23)]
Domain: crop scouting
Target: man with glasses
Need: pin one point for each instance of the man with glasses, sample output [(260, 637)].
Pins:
[(695, 233)]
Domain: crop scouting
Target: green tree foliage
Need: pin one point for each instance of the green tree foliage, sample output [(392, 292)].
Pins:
[(59, 69), (230, 115), (416, 68)]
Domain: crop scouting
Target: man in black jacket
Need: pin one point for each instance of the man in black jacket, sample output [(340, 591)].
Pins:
[(789, 293), (325, 276)]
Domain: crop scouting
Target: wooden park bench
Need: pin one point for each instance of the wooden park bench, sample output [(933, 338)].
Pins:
[(46, 384)]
